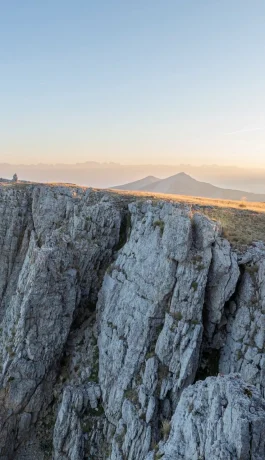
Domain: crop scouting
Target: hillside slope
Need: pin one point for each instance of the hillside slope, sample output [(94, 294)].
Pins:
[(183, 184), (116, 319), (141, 184)]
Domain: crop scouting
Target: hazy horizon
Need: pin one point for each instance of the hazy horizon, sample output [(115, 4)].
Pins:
[(124, 163), (166, 82), (110, 163), (144, 163), (105, 175)]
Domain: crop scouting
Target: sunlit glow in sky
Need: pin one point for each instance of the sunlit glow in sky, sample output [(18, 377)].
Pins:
[(161, 81)]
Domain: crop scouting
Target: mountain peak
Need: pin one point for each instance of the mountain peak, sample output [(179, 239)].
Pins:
[(183, 174), (184, 184)]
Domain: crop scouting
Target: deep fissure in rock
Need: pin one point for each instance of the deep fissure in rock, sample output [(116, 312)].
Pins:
[(210, 352)]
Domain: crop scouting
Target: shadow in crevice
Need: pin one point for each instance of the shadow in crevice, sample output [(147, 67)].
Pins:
[(211, 349)]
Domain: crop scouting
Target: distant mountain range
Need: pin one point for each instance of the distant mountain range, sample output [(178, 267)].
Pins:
[(103, 175), (141, 184), (183, 184)]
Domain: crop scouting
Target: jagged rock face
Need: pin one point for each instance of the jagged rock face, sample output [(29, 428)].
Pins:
[(244, 333), (15, 229), (68, 433), (219, 419), (222, 279), (107, 313), (150, 317), (71, 236)]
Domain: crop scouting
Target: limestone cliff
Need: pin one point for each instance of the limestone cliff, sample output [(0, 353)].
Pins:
[(111, 311)]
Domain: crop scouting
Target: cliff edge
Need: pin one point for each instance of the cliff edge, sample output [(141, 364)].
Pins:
[(131, 330)]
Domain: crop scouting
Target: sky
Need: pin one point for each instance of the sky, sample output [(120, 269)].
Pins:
[(148, 81)]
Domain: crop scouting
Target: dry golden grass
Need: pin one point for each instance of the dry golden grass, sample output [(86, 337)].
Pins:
[(239, 227), (243, 222), (21, 184), (200, 201)]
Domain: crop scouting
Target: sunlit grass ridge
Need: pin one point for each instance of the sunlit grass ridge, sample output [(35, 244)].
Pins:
[(243, 223)]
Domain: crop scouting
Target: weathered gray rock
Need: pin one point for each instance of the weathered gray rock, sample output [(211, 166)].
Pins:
[(222, 280), (152, 287), (73, 235), (244, 334), (220, 418), (68, 437), (15, 230), (107, 313), (150, 320)]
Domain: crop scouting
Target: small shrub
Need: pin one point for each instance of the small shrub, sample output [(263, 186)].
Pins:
[(248, 392), (251, 269), (96, 412), (194, 285), (197, 258), (131, 395), (158, 456), (149, 355), (165, 429), (160, 224), (86, 426), (195, 321), (239, 355), (177, 315), (200, 267), (94, 373), (10, 352)]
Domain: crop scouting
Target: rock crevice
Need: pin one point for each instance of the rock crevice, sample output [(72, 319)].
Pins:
[(110, 314)]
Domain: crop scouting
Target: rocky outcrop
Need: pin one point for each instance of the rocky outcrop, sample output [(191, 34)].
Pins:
[(67, 238), (244, 331), (68, 431), (221, 418), (111, 311), (150, 316), (222, 280)]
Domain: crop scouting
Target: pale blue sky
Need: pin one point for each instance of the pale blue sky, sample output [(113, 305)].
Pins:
[(158, 81)]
